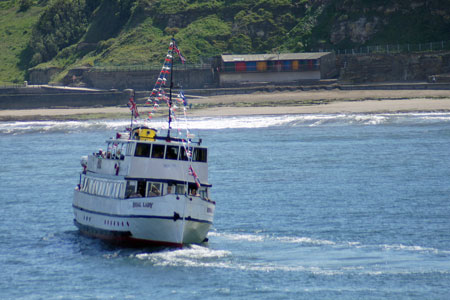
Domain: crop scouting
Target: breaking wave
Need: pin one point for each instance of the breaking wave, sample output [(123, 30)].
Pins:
[(233, 122)]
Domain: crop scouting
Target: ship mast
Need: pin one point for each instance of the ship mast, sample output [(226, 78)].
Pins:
[(170, 87)]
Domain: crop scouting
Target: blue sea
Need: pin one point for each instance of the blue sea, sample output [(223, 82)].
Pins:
[(345, 206)]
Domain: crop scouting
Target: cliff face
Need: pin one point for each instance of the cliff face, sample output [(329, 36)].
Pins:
[(353, 23)]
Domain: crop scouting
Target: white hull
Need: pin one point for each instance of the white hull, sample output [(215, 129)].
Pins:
[(171, 220)]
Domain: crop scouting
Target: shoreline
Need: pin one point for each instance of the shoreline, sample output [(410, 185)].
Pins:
[(266, 103)]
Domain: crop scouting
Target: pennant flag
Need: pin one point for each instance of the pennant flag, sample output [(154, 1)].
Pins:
[(177, 51), (132, 106), (183, 97)]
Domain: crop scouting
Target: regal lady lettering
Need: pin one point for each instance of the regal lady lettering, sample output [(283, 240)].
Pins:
[(142, 204)]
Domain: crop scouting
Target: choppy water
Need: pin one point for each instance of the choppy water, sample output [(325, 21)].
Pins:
[(308, 207)]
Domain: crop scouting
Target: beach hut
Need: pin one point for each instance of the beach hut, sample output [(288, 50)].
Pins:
[(275, 68)]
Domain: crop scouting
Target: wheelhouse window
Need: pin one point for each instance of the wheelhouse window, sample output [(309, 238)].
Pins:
[(142, 150), (183, 154), (199, 154), (172, 152), (158, 151)]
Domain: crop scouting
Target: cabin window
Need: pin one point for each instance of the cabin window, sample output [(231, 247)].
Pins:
[(170, 188), (85, 186), (91, 186), (130, 189), (203, 193), (180, 188), (158, 151), (142, 150), (105, 191), (117, 190), (193, 191), (141, 189), (108, 189), (129, 149), (120, 190), (153, 189), (114, 190), (97, 187), (172, 152), (101, 188), (199, 154)]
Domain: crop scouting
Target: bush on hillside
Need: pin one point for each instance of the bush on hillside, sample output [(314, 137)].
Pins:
[(24, 5), (62, 24)]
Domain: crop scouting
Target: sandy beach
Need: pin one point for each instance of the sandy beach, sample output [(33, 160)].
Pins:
[(298, 102)]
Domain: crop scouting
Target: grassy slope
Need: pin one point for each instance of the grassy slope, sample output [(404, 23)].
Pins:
[(15, 31)]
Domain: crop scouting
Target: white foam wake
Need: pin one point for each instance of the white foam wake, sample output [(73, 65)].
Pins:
[(232, 122), (268, 238)]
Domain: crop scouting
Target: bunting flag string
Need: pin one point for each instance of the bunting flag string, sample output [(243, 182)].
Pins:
[(158, 93)]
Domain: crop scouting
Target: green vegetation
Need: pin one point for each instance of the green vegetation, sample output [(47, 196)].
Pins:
[(72, 33), (15, 31)]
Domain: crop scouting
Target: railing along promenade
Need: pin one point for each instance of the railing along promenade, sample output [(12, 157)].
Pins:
[(392, 48)]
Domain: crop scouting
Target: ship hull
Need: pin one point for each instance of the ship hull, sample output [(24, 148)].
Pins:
[(171, 220)]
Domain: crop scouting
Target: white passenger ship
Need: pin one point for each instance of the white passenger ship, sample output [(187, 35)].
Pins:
[(146, 188)]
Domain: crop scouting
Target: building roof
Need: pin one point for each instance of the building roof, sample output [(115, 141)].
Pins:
[(272, 56)]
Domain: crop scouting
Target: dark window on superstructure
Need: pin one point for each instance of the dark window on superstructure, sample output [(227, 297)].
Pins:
[(142, 150), (130, 188), (200, 155), (141, 188), (158, 151), (183, 154), (172, 152)]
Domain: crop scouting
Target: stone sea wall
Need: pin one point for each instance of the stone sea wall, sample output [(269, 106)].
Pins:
[(57, 97), (137, 79)]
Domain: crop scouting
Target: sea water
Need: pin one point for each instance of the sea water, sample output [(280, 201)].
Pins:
[(308, 207)]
